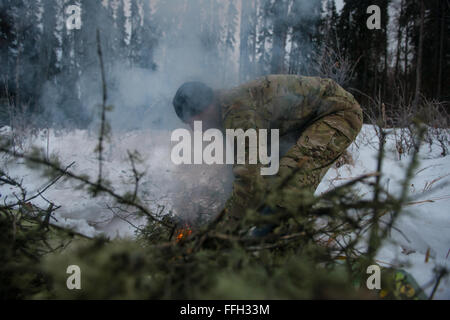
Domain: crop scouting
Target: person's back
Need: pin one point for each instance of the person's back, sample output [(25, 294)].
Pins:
[(284, 102)]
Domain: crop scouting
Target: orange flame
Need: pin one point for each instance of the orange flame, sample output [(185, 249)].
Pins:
[(183, 233)]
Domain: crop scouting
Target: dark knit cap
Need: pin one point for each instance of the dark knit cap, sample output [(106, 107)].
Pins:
[(191, 99)]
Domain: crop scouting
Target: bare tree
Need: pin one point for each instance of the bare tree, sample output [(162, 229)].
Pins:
[(420, 57), (280, 28), (334, 64)]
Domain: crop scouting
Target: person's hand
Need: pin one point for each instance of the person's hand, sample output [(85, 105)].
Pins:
[(264, 230)]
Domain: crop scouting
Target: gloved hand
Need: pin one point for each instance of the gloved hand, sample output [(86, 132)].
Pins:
[(264, 230)]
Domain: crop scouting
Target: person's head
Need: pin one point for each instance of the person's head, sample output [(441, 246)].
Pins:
[(194, 101)]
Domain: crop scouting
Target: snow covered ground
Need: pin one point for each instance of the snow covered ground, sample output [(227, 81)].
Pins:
[(422, 230), (425, 224)]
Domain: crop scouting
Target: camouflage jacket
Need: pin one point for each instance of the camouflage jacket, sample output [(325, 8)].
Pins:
[(291, 104)]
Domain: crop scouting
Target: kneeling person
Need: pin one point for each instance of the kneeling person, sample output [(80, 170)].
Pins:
[(323, 118)]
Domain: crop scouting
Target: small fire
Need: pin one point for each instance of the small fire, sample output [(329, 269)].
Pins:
[(184, 232)]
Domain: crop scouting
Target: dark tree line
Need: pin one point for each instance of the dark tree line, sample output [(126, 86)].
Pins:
[(409, 56), (313, 38), (239, 40), (39, 53)]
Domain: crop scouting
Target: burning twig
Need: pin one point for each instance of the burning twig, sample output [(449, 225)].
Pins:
[(183, 233), (103, 115)]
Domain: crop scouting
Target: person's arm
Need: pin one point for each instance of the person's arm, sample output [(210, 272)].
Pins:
[(330, 120), (248, 187)]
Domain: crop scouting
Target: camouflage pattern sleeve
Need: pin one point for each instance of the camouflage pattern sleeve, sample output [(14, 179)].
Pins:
[(248, 186), (335, 121)]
